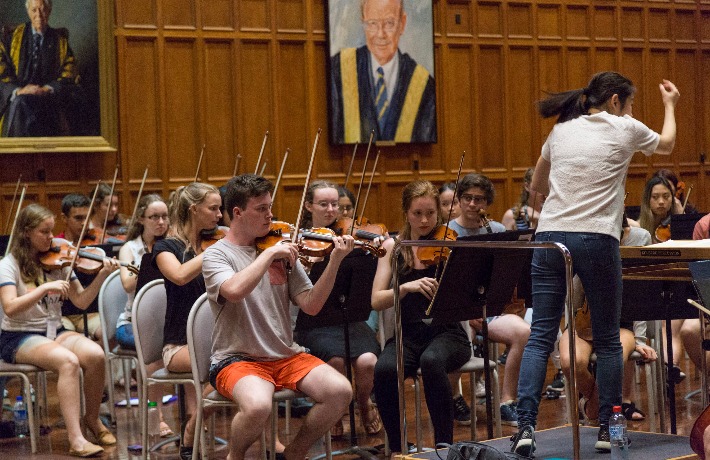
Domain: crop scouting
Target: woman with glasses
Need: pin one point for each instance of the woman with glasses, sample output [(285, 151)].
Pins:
[(346, 202), (323, 334), (150, 225)]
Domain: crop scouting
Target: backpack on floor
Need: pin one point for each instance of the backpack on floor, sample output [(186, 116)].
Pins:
[(472, 450)]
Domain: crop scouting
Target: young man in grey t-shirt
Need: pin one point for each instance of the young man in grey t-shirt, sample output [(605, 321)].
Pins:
[(253, 352)]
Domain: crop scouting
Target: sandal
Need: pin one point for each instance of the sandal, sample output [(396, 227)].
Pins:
[(371, 421), (631, 412), (165, 430)]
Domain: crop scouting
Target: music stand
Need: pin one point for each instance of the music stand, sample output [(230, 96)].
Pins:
[(494, 247), (349, 301), (683, 225), (701, 281)]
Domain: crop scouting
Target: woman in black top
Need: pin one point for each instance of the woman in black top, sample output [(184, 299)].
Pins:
[(437, 350), (179, 258)]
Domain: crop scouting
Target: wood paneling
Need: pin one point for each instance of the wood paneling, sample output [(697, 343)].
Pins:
[(222, 72)]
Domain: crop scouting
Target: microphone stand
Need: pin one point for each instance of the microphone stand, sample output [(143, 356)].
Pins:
[(367, 453)]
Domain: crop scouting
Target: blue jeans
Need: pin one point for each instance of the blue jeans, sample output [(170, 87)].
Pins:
[(597, 262)]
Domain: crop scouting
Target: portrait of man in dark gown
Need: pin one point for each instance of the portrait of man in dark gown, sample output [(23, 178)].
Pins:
[(39, 88), (378, 87)]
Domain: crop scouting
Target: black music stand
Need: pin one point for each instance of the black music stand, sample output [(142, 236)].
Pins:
[(349, 301), (641, 300), (701, 281), (479, 283)]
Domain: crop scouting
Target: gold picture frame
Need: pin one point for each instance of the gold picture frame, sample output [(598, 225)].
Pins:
[(107, 140)]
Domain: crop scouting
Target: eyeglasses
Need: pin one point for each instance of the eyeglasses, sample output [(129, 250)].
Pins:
[(477, 199), (373, 25), (158, 217), (327, 204), (346, 208)]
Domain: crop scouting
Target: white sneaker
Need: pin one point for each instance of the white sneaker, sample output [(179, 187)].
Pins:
[(480, 389)]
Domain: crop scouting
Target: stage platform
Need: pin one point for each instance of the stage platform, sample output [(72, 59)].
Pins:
[(556, 443)]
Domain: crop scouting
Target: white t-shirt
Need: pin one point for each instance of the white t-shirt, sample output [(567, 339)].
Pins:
[(137, 248), (590, 157), (46, 312), (259, 326)]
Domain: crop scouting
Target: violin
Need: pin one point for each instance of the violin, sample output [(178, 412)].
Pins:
[(96, 236), (362, 230), (663, 231), (210, 237), (429, 255), (90, 260), (312, 236)]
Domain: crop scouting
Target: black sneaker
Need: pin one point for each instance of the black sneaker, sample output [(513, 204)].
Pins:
[(603, 439), (558, 384), (523, 442), (503, 357), (462, 413)]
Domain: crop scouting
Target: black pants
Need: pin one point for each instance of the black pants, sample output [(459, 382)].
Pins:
[(437, 351)]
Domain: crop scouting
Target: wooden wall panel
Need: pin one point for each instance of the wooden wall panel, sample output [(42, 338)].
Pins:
[(218, 14), (520, 89), (219, 115), (222, 72), (491, 107), (133, 13), (139, 115), (254, 101), (182, 108)]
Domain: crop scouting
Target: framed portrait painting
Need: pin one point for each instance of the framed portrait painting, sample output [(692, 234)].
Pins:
[(57, 76), (381, 71)]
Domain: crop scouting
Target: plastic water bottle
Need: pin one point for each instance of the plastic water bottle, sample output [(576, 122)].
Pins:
[(20, 418), (617, 435), (153, 423)]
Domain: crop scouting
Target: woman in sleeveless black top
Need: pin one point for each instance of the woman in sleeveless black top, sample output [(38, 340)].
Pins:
[(437, 350)]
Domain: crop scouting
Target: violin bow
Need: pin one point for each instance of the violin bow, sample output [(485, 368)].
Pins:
[(14, 222), (236, 165), (281, 171), (263, 167), (362, 178), (294, 236), (687, 195), (83, 232), (350, 168), (369, 185), (110, 200), (448, 218), (261, 152), (138, 198), (12, 205), (199, 163), (446, 232)]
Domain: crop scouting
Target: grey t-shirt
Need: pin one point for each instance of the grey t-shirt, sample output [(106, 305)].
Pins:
[(257, 327), (496, 227)]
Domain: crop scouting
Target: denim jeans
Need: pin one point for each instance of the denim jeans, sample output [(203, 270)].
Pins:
[(597, 262)]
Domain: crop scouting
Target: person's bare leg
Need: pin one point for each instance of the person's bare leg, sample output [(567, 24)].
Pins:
[(254, 396), (92, 361), (513, 331), (49, 355), (331, 393), (585, 380), (156, 392)]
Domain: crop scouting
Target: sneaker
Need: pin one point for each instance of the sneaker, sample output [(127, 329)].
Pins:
[(480, 389), (677, 375), (603, 439), (558, 384), (503, 358), (508, 414), (462, 413), (523, 442)]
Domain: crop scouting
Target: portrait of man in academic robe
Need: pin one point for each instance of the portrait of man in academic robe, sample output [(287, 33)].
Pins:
[(381, 71)]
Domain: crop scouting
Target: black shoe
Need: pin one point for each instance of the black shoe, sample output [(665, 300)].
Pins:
[(279, 455), (523, 442), (503, 357), (603, 439), (185, 452), (677, 375), (558, 384), (462, 413)]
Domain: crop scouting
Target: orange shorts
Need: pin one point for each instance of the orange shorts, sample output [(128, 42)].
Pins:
[(284, 373)]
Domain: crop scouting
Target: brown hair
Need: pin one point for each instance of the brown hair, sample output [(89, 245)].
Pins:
[(136, 228), (29, 219), (412, 191)]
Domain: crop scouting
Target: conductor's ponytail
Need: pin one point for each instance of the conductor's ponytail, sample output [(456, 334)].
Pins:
[(572, 104)]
